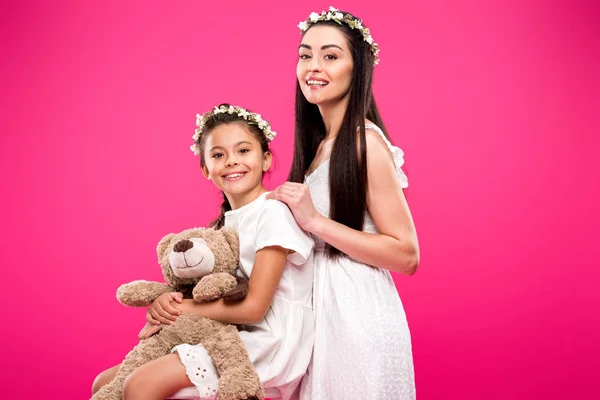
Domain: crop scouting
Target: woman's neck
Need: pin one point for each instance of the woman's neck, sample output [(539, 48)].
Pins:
[(239, 200), (333, 115)]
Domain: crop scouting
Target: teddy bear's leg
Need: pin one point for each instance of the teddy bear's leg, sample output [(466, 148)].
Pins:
[(237, 377), (147, 350)]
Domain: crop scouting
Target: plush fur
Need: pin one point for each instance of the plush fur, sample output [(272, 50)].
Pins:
[(200, 263)]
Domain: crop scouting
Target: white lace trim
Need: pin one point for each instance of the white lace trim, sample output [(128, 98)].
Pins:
[(200, 369)]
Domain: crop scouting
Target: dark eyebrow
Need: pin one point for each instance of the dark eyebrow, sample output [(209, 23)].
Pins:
[(236, 145), (322, 47)]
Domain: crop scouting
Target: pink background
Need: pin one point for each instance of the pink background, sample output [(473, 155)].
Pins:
[(494, 104)]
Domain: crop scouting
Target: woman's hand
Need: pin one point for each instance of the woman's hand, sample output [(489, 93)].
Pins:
[(162, 310), (298, 199)]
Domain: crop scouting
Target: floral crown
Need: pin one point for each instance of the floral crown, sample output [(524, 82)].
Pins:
[(250, 118), (354, 23)]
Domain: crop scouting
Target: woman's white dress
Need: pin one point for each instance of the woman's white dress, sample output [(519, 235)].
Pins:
[(362, 341)]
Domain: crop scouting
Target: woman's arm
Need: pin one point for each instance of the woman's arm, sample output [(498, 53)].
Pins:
[(266, 273), (395, 247)]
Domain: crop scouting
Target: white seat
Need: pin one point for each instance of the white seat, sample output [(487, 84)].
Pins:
[(191, 393)]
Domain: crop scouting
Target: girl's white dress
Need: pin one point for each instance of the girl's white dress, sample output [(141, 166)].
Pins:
[(362, 341), (280, 346)]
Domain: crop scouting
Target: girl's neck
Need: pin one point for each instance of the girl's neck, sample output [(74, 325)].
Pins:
[(333, 115), (239, 200)]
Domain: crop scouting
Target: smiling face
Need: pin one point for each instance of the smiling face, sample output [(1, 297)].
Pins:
[(235, 161), (325, 65)]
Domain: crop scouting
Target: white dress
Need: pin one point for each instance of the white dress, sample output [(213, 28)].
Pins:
[(362, 341), (280, 346)]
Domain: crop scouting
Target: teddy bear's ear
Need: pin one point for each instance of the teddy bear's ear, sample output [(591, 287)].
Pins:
[(163, 244), (232, 238)]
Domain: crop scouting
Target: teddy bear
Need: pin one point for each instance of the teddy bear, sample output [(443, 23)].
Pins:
[(201, 263)]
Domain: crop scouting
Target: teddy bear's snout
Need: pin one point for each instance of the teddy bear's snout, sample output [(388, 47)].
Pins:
[(182, 246)]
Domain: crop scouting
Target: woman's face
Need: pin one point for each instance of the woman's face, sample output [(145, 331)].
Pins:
[(325, 65)]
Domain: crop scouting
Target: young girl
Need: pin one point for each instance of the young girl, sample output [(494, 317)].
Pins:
[(276, 316), (352, 201)]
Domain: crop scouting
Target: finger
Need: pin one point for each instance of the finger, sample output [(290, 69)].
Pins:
[(283, 197), (290, 191), (171, 312), (293, 185), (178, 297), (159, 317), (142, 334), (274, 195), (168, 310), (162, 310), (151, 319), (288, 199)]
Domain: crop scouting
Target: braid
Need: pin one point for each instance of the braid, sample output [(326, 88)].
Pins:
[(220, 221)]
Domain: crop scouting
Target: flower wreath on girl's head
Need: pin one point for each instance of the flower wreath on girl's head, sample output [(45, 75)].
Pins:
[(249, 117)]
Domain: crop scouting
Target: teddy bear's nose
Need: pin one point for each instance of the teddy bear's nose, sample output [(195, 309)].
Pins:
[(182, 246)]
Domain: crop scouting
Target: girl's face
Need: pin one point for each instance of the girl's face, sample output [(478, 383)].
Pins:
[(235, 162), (325, 65)]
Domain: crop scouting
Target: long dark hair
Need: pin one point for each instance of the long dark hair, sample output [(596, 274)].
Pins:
[(222, 119), (348, 162)]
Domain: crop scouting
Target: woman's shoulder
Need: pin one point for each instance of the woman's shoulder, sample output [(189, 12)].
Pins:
[(378, 144)]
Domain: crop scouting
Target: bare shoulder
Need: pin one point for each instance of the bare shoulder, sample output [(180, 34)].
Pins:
[(376, 146)]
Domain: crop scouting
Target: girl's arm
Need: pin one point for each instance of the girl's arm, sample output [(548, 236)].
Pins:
[(395, 247), (266, 273)]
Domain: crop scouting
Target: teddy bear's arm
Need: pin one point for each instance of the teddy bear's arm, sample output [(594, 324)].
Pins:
[(213, 286), (239, 292), (141, 293)]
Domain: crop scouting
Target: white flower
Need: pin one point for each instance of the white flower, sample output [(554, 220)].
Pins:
[(252, 118), (337, 16)]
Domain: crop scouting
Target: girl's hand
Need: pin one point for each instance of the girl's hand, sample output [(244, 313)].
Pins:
[(298, 199), (162, 311), (148, 330)]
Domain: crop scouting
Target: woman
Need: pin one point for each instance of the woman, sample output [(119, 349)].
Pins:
[(346, 189)]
